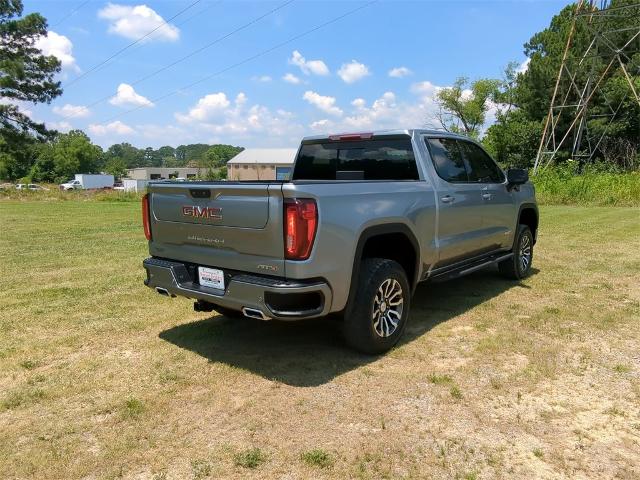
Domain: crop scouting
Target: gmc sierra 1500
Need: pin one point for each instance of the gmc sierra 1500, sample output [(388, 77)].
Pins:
[(363, 219)]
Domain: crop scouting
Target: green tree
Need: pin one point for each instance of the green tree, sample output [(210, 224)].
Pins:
[(167, 156), (219, 155), (192, 153), (513, 140), (167, 151), (545, 50), (25, 76), (17, 153), (152, 158), (132, 156), (171, 162), (462, 108), (116, 167), (68, 154)]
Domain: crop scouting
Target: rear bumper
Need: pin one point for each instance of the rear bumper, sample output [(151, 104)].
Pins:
[(243, 291)]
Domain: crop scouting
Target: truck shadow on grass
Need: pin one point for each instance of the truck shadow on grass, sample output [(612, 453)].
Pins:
[(312, 352)]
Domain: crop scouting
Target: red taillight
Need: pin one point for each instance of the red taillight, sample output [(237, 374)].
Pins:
[(145, 216), (300, 223)]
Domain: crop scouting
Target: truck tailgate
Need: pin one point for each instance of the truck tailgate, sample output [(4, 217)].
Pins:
[(227, 225)]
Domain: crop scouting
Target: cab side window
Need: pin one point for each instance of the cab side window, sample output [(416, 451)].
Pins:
[(482, 169), (447, 159)]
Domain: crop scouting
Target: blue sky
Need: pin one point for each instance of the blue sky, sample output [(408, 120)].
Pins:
[(376, 68)]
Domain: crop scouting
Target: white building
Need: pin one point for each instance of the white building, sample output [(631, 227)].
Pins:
[(163, 173), (261, 164)]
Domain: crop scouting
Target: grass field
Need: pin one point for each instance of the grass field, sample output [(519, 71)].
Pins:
[(102, 378)]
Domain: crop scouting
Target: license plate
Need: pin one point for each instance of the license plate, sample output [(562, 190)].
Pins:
[(211, 277)]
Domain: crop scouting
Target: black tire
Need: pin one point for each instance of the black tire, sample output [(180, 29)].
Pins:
[(360, 327), (517, 267)]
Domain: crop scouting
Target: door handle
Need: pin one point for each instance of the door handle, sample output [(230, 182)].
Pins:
[(487, 196), (448, 199)]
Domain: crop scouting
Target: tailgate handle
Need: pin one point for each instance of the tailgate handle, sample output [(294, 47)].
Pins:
[(200, 192)]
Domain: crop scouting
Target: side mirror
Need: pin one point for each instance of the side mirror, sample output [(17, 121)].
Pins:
[(517, 176)]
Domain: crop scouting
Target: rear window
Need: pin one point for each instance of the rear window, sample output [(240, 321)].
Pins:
[(383, 159)]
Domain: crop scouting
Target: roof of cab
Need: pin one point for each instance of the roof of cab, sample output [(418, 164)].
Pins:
[(386, 133)]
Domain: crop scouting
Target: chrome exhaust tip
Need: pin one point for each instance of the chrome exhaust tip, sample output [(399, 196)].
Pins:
[(254, 313), (164, 291)]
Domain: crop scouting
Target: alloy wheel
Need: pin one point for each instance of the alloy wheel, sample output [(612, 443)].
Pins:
[(525, 252), (387, 307)]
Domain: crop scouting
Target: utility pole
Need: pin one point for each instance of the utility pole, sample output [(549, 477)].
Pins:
[(569, 113)]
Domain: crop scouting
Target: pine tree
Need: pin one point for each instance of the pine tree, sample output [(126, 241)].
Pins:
[(26, 75)]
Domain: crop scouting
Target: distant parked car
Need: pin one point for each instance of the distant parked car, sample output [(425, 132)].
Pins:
[(71, 185), (30, 186), (118, 186)]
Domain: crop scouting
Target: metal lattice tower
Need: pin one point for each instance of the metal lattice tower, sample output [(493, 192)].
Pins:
[(581, 76)]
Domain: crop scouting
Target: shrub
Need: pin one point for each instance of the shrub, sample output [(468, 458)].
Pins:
[(251, 458), (317, 458), (595, 186)]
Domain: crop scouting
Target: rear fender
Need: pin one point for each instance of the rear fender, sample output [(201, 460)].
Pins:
[(371, 232)]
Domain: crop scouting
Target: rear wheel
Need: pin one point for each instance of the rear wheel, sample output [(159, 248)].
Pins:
[(519, 265), (375, 321)]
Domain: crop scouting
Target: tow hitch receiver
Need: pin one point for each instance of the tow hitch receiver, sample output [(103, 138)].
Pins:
[(202, 306)]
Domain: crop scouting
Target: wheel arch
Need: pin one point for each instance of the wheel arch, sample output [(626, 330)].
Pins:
[(369, 245), (528, 215)]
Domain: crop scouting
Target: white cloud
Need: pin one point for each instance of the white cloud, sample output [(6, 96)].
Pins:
[(116, 127), (352, 72), (399, 72), (308, 67), (134, 22), (208, 107), (524, 66), (215, 114), (291, 78), (241, 99), (321, 125), (60, 47), (382, 110), (263, 79), (324, 103), (359, 102), (72, 111), (386, 112), (127, 96), (425, 88)]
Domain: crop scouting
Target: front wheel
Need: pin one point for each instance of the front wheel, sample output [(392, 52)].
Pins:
[(375, 321), (519, 265)]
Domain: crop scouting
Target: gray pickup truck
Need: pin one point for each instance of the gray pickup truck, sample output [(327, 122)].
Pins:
[(364, 218)]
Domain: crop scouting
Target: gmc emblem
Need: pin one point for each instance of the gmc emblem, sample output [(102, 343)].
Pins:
[(214, 213)]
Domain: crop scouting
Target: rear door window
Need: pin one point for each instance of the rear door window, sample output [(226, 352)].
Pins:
[(378, 159), (447, 159), (482, 168)]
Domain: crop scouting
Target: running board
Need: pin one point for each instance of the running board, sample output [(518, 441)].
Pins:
[(469, 268)]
